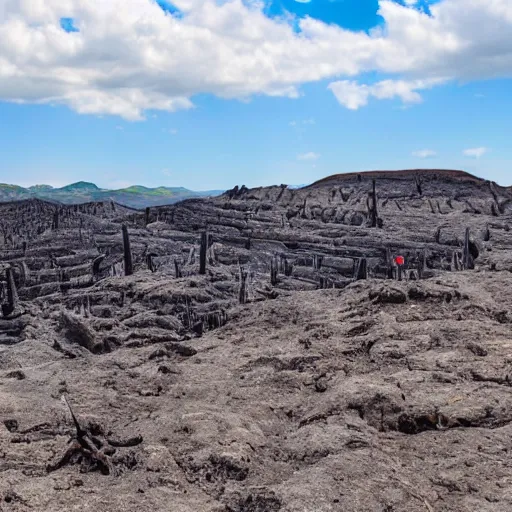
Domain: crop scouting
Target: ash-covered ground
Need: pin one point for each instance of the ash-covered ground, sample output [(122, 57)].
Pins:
[(296, 374)]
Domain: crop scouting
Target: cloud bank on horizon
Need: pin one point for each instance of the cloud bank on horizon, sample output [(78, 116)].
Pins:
[(124, 57)]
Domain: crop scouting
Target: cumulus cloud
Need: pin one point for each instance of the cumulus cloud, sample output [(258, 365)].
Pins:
[(353, 95), (424, 153), (475, 152), (125, 57), (308, 156)]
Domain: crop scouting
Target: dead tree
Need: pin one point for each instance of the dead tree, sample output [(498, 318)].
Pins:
[(55, 224), (150, 263), (486, 234), (202, 253), (324, 283), (243, 294), (128, 264), (360, 269), (372, 206), (456, 264), (437, 235), (146, 219), (191, 256), (418, 181), (273, 271), (96, 264), (389, 264), (317, 261), (288, 267), (177, 269), (467, 262), (92, 448), (12, 307), (423, 265)]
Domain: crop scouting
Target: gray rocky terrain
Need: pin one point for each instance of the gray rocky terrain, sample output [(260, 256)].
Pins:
[(261, 351)]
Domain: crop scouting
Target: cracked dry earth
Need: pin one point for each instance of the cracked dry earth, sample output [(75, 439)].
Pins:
[(377, 395)]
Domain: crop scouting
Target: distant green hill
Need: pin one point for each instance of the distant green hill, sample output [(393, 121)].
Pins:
[(135, 196)]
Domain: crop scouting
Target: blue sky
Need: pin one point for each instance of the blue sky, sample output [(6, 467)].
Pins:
[(181, 128)]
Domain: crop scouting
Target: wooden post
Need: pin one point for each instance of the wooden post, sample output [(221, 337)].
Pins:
[(128, 264)]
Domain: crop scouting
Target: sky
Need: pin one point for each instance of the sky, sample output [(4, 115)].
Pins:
[(209, 94)]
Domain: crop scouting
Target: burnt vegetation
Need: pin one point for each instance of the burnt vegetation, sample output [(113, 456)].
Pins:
[(295, 303)]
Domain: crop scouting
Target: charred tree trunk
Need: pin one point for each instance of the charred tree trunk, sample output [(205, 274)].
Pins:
[(361, 269), (146, 219), (273, 271), (467, 259), (243, 294), (150, 263), (418, 185), (389, 264), (288, 268), (373, 210), (96, 264), (423, 264), (202, 253), (55, 224), (12, 306), (128, 264), (177, 269), (317, 261)]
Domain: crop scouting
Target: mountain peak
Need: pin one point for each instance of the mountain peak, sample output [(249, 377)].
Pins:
[(80, 186), (40, 188)]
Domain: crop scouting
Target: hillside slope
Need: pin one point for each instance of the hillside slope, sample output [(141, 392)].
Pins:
[(84, 192), (328, 388)]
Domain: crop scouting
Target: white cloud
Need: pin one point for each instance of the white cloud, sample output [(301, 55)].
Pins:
[(308, 156), (425, 153), (475, 152), (353, 96), (130, 57)]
